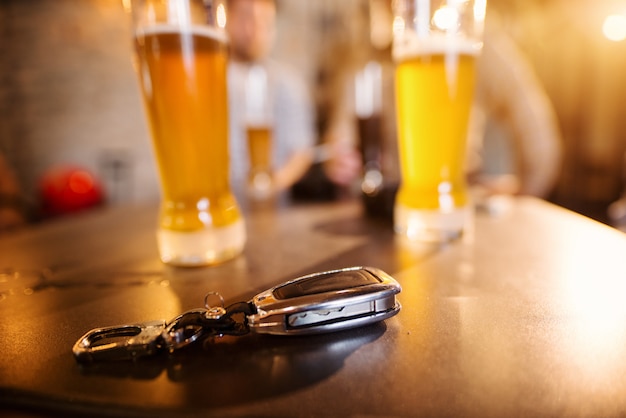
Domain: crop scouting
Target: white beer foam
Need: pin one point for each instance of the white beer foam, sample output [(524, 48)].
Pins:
[(409, 45), (167, 28), (206, 246)]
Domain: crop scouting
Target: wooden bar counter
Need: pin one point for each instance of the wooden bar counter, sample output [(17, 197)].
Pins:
[(524, 316)]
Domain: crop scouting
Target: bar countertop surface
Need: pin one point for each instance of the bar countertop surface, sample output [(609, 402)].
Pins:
[(523, 316)]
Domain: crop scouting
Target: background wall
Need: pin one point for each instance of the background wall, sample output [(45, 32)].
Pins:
[(584, 74), (68, 94)]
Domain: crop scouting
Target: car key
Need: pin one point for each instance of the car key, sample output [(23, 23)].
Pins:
[(317, 303), (325, 302)]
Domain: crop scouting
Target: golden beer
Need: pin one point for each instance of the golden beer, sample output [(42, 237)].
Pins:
[(260, 153), (434, 91), (182, 74), (259, 148)]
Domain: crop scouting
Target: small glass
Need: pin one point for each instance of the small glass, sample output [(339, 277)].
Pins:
[(259, 132)]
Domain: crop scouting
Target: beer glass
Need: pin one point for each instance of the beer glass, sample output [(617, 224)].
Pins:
[(435, 46), (259, 122), (181, 57), (368, 89)]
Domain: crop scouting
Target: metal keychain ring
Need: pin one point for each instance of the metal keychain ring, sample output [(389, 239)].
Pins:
[(206, 300), (184, 329)]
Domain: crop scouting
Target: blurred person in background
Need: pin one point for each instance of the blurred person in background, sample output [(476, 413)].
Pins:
[(510, 97), (251, 31)]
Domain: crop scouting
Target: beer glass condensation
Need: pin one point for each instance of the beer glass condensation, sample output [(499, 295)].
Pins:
[(435, 46), (181, 53)]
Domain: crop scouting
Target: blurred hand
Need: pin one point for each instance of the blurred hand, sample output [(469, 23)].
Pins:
[(292, 171), (343, 165)]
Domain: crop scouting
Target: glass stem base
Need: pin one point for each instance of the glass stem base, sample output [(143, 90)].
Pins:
[(430, 225), (208, 246)]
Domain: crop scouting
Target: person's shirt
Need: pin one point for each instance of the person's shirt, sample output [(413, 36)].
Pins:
[(292, 111)]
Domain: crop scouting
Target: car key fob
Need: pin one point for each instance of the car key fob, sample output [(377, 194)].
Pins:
[(313, 304), (324, 302)]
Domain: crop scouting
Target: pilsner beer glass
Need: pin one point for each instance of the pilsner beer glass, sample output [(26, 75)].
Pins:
[(435, 46), (181, 56), (259, 132)]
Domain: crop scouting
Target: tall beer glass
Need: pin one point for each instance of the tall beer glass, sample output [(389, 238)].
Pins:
[(435, 46), (181, 51)]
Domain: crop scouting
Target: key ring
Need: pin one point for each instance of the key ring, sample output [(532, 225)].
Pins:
[(214, 312), (210, 321), (183, 330)]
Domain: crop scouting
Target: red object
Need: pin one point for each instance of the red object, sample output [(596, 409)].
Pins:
[(69, 189)]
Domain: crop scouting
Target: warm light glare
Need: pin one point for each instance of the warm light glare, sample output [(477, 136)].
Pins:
[(614, 27), (221, 16), (446, 18), (480, 9), (398, 25), (590, 289)]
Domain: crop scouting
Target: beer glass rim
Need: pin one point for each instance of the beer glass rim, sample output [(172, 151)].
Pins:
[(178, 16), (427, 27)]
